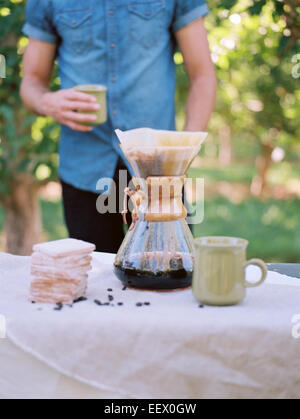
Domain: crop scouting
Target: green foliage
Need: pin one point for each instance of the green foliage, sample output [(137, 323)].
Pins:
[(257, 7), (258, 95), (27, 144), (253, 43), (286, 11)]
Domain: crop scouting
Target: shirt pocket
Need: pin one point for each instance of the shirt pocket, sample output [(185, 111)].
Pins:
[(75, 29), (146, 22)]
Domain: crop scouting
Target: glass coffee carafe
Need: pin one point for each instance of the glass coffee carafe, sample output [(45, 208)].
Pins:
[(157, 252)]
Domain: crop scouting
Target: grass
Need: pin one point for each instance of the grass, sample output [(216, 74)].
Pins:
[(53, 220), (236, 173), (279, 173), (272, 227)]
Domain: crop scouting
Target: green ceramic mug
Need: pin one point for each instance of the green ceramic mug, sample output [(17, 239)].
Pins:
[(219, 277), (99, 92)]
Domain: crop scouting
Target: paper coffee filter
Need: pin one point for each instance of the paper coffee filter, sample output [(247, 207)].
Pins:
[(141, 137), (179, 139), (147, 137), (160, 153)]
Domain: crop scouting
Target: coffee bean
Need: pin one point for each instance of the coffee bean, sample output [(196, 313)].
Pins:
[(109, 289), (110, 298), (98, 303), (147, 304), (120, 304), (139, 304), (201, 306), (79, 300), (59, 306), (124, 288)]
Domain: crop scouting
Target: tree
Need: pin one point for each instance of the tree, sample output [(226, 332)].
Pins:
[(258, 65), (253, 45), (28, 145)]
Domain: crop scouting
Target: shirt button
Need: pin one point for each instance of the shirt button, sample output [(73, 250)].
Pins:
[(111, 12), (115, 112), (74, 22), (113, 45), (113, 79)]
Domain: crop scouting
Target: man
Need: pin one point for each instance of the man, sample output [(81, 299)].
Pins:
[(127, 46)]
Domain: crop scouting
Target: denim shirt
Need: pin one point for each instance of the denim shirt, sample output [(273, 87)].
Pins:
[(127, 46)]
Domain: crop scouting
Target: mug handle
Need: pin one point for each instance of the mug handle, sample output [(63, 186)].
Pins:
[(261, 264)]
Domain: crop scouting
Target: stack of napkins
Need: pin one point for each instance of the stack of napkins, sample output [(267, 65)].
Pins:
[(60, 271)]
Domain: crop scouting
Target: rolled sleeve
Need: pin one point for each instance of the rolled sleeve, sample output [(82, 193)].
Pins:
[(39, 21), (40, 35), (189, 12)]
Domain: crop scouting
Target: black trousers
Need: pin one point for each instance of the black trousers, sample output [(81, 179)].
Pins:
[(84, 222)]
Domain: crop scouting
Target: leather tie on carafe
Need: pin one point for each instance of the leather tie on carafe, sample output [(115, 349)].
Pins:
[(162, 201)]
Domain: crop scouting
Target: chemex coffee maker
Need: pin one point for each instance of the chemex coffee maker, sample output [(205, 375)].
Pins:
[(157, 252)]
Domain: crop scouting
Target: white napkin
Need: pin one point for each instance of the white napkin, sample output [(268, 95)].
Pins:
[(171, 348)]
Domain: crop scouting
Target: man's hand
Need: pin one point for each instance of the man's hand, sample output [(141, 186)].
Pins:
[(38, 67), (62, 104)]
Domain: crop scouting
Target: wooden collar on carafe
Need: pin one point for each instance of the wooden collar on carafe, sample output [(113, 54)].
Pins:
[(164, 197)]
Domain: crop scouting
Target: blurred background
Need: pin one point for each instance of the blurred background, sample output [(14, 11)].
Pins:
[(250, 162)]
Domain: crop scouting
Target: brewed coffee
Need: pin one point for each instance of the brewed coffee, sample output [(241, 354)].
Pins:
[(159, 161), (157, 252), (176, 276)]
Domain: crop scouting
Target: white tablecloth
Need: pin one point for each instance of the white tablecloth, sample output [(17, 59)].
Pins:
[(168, 349)]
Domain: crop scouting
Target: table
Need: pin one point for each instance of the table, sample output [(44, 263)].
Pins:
[(170, 349), (289, 269)]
